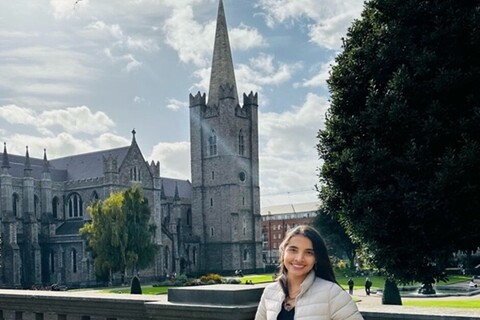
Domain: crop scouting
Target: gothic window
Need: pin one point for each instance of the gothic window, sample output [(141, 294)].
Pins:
[(166, 257), (212, 143), (135, 174), (95, 196), (213, 175), (211, 202), (15, 205), (212, 231), (194, 256), (189, 217), (245, 255), (241, 144), (52, 261), (74, 261), (244, 226), (75, 206), (36, 206), (55, 203)]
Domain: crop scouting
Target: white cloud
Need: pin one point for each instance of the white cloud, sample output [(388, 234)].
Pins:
[(174, 104), (318, 80), (138, 100), (288, 143), (73, 119), (327, 21), (174, 159)]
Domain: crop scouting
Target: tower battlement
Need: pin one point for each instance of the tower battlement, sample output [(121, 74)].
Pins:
[(251, 99), (198, 99)]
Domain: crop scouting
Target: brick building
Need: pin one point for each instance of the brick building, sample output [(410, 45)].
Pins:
[(277, 220)]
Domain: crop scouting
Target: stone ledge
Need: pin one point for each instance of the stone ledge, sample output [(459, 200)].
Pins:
[(219, 294)]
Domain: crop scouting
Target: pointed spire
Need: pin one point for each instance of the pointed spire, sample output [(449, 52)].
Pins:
[(177, 196), (27, 160), (222, 64), (5, 162), (46, 165)]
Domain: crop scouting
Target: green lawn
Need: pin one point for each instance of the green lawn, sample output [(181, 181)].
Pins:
[(442, 303)]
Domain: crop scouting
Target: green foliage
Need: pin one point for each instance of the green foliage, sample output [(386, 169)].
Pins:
[(401, 145), (211, 278), (391, 294), (120, 235), (135, 287), (337, 240)]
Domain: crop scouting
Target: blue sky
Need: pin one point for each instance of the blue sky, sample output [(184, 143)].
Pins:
[(79, 75)]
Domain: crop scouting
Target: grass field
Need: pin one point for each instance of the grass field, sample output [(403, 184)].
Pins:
[(378, 283)]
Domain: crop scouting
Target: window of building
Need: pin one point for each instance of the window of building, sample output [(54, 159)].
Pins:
[(245, 255), (75, 206), (241, 144), (74, 261), (15, 205), (55, 204), (212, 142), (244, 226), (211, 202), (212, 231), (213, 175), (189, 217), (135, 174)]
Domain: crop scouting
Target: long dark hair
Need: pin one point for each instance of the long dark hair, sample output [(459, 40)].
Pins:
[(323, 266)]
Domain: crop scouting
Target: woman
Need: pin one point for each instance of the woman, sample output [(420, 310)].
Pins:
[(306, 287)]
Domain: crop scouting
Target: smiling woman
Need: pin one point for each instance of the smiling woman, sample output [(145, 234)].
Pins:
[(306, 278)]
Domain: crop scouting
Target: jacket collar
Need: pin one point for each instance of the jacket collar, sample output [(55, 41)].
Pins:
[(307, 283)]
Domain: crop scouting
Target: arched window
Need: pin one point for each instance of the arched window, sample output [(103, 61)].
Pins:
[(95, 196), (15, 205), (135, 174), (241, 144), (212, 142), (212, 231), (55, 203), (194, 256), (189, 217), (74, 261), (166, 256), (245, 255), (75, 206)]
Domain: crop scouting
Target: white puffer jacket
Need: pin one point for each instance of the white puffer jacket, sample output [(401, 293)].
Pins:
[(318, 299)]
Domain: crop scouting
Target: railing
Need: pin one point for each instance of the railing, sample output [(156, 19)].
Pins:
[(89, 305)]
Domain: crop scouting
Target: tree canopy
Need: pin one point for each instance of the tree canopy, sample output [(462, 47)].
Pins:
[(401, 145), (120, 234)]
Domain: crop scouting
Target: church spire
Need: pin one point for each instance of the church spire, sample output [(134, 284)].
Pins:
[(5, 162), (222, 74)]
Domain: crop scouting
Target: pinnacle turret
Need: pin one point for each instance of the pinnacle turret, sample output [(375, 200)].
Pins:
[(5, 162), (222, 78)]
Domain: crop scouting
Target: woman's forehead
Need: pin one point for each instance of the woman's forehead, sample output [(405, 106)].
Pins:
[(300, 240)]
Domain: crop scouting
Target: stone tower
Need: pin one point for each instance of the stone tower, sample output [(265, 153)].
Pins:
[(224, 160)]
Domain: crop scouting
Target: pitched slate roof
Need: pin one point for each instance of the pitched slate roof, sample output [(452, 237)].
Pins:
[(87, 165), (17, 165), (70, 227), (184, 187)]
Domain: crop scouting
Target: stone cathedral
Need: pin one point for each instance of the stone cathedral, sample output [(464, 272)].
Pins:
[(211, 224)]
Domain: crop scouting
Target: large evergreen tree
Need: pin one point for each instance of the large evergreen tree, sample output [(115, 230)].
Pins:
[(401, 146), (120, 234)]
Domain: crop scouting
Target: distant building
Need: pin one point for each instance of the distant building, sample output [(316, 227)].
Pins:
[(277, 220), (212, 224)]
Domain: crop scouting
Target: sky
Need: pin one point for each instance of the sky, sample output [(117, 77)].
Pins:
[(79, 75)]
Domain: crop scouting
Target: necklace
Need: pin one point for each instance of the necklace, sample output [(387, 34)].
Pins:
[(289, 303)]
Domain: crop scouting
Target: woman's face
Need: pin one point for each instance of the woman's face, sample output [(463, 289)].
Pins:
[(299, 257)]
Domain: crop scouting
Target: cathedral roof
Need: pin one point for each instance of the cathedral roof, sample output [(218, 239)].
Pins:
[(184, 187), (70, 227), (17, 166), (87, 165), (222, 73)]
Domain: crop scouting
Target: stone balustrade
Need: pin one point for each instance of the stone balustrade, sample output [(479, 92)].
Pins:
[(232, 302)]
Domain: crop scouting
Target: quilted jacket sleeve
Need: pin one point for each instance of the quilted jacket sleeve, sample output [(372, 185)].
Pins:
[(262, 309), (342, 307)]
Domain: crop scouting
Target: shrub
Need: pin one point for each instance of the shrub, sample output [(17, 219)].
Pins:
[(211, 278), (391, 295), (135, 287)]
